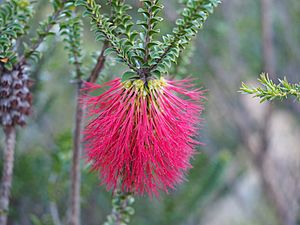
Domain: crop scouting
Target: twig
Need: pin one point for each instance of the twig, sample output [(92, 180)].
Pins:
[(99, 65), (160, 59), (148, 38), (7, 174)]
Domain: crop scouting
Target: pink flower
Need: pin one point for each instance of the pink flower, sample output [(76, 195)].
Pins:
[(141, 136)]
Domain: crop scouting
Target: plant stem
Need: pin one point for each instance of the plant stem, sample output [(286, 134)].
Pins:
[(148, 37), (76, 173), (122, 209), (7, 174), (99, 65)]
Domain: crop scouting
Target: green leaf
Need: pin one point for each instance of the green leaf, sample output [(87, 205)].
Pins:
[(109, 51), (157, 74), (129, 75), (8, 66)]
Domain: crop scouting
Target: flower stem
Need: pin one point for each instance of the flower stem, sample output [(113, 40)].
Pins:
[(122, 209), (7, 174)]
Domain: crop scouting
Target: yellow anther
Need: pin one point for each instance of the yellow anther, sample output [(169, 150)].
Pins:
[(127, 84), (23, 4), (139, 85)]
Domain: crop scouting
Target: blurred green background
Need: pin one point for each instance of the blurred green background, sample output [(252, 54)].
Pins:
[(228, 184)]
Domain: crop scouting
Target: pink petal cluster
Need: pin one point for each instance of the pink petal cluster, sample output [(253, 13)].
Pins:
[(140, 137)]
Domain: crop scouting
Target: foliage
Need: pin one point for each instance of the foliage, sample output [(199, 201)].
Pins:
[(61, 9), (192, 18), (145, 56), (104, 30), (120, 18), (14, 19), (270, 91), (71, 30)]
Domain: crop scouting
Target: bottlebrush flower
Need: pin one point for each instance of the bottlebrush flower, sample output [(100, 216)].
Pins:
[(141, 136)]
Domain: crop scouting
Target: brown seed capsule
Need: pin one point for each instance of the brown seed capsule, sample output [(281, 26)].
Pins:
[(21, 121), (5, 80), (15, 102), (15, 117), (18, 84), (15, 96), (6, 120), (4, 92), (5, 105)]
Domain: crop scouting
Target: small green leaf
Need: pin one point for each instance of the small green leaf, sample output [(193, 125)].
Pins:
[(129, 75), (157, 74), (108, 51)]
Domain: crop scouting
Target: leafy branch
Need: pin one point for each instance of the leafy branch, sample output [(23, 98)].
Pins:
[(123, 25), (72, 31), (44, 30), (104, 29), (270, 91), (145, 56), (192, 19), (121, 19), (151, 19), (14, 17)]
